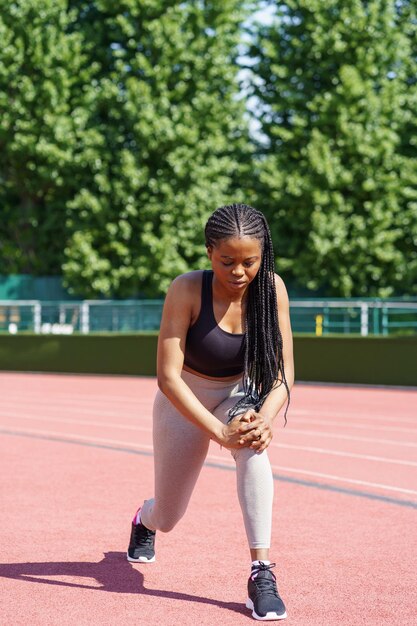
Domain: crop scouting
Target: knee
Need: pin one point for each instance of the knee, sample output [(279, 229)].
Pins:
[(243, 453), (248, 455)]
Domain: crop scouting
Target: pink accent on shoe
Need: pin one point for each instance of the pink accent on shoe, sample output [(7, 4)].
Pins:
[(136, 517)]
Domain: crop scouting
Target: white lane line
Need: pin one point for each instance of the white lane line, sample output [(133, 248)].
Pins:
[(328, 476), (147, 406), (94, 439), (340, 453), (371, 415), (137, 404), (357, 426), (342, 479), (138, 414), (47, 392), (57, 405), (135, 399), (139, 410), (64, 420), (213, 457), (317, 433)]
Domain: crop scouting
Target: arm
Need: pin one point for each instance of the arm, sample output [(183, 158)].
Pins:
[(176, 319), (263, 421)]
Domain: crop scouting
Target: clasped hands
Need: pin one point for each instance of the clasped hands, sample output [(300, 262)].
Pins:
[(249, 430)]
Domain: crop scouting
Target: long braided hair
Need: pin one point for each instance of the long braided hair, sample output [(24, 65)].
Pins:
[(264, 364)]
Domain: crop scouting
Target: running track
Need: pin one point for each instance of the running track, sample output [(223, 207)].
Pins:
[(77, 457)]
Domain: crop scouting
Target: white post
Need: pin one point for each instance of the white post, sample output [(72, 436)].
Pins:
[(364, 319), (85, 318), (37, 317)]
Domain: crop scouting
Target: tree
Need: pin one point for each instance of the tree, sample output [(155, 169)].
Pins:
[(120, 132), (41, 66), (407, 18), (167, 129), (333, 81)]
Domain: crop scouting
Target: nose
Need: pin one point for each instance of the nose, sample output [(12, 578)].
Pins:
[(238, 271)]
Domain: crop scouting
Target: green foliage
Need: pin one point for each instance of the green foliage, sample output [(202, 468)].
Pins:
[(41, 66), (167, 125), (120, 126), (338, 174)]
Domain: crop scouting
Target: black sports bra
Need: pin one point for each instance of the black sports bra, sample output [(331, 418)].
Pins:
[(209, 349)]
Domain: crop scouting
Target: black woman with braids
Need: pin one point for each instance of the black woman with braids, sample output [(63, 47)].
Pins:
[(225, 369)]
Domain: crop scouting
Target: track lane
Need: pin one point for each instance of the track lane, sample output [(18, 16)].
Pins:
[(372, 453), (75, 575)]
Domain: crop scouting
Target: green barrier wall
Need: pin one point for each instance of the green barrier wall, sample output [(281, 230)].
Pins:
[(343, 359), (365, 360), (87, 354)]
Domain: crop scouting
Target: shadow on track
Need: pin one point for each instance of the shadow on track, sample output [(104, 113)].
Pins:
[(113, 573)]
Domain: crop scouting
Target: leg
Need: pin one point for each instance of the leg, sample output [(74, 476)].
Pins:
[(255, 487), (180, 449)]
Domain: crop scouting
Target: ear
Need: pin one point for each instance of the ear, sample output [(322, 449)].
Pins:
[(209, 252)]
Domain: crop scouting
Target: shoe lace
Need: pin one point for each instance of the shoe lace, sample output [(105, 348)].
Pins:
[(144, 535), (264, 584)]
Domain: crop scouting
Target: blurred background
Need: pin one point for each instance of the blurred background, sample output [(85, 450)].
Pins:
[(124, 125)]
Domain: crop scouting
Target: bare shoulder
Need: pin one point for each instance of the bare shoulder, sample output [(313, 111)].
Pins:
[(282, 293), (187, 285), (179, 304), (185, 290)]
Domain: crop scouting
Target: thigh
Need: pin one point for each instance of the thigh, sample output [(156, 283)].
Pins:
[(180, 449), (222, 410)]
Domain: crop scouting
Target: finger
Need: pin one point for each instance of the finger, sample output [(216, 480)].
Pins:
[(257, 439), (247, 430), (264, 445), (246, 438), (262, 442), (253, 436), (255, 423), (248, 416)]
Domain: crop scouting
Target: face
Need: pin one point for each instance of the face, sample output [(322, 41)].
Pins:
[(235, 262)]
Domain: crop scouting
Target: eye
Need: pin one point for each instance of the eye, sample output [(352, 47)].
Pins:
[(248, 264), (227, 264)]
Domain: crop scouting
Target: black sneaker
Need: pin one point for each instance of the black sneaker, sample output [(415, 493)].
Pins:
[(263, 594), (142, 544)]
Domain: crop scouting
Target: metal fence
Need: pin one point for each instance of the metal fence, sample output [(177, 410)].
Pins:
[(320, 317), (363, 317)]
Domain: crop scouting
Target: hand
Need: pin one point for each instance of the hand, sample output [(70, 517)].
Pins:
[(258, 431), (234, 434)]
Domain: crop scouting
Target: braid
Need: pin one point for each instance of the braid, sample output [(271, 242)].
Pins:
[(264, 364)]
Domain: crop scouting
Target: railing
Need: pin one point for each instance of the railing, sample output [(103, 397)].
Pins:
[(363, 317)]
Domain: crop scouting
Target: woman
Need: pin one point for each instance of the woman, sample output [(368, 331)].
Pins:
[(225, 338)]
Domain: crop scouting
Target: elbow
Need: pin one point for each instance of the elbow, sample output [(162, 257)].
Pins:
[(161, 383), (166, 382)]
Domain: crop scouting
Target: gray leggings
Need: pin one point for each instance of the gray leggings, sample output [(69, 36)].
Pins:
[(180, 449)]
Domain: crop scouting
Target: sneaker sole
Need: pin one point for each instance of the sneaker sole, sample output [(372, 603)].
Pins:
[(141, 559), (272, 615)]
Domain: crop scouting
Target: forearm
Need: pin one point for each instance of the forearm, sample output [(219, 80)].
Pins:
[(181, 396), (275, 401)]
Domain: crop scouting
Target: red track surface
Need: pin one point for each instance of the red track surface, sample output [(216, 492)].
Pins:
[(76, 460)]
